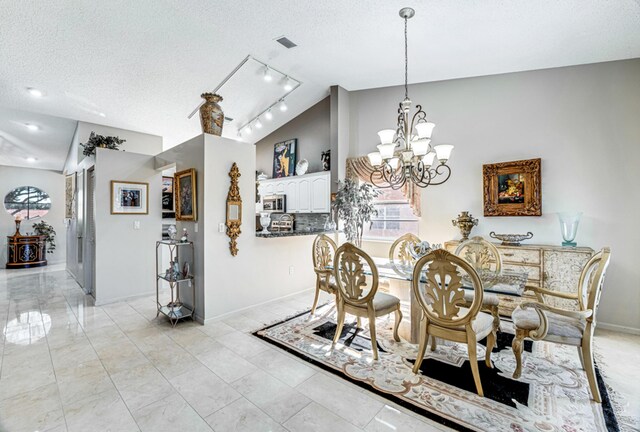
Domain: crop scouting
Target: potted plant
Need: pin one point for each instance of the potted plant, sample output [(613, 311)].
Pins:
[(44, 229), (95, 141), (354, 206)]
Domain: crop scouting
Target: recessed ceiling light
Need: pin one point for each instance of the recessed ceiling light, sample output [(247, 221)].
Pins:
[(34, 92), (31, 159), (102, 114), (286, 42), (32, 127)]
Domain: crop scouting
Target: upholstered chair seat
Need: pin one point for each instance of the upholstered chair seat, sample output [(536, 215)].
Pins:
[(385, 302), (489, 299), (568, 330)]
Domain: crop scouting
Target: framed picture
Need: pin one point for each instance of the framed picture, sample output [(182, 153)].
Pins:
[(284, 158), (69, 191), (512, 188), (186, 195), (168, 209), (129, 197)]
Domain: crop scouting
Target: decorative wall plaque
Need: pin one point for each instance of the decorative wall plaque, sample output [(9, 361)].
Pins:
[(234, 210)]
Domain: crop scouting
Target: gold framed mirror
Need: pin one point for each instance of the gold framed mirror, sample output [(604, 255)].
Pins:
[(234, 210)]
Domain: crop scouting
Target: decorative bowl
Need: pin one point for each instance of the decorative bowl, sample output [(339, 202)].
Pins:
[(302, 166), (511, 239)]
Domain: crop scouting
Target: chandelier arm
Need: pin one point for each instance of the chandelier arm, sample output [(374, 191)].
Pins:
[(438, 173), (418, 171), (420, 115)]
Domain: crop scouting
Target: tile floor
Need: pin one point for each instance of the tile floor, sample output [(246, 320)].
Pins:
[(66, 365)]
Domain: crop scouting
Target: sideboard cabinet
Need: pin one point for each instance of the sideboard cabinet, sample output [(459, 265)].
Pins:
[(26, 251), (552, 267)]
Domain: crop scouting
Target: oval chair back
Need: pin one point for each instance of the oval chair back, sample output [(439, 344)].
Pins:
[(481, 254), (592, 280), (437, 285), (323, 251), (399, 256), (354, 288)]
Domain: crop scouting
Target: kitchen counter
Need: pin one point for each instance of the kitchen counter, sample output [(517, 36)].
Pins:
[(293, 233)]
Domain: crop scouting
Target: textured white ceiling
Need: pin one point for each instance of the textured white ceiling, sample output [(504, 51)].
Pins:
[(145, 63)]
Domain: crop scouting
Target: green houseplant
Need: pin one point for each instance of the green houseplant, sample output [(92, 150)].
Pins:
[(44, 229), (95, 141), (354, 206)]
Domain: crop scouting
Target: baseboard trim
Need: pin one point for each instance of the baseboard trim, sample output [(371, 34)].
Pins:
[(619, 328), (227, 314)]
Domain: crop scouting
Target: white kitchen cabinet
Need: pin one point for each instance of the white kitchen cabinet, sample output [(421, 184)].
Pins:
[(309, 193)]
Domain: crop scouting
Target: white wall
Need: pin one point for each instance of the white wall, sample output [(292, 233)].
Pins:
[(583, 122), (48, 181), (311, 128), (125, 257)]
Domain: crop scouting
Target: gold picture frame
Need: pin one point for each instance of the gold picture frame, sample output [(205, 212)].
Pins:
[(186, 195), (513, 188), (234, 210), (129, 197)]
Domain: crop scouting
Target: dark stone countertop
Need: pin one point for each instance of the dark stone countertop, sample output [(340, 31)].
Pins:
[(293, 233)]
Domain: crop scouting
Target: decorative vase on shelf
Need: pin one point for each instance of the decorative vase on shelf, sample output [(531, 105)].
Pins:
[(465, 222), (569, 222), (211, 115), (302, 166), (265, 220)]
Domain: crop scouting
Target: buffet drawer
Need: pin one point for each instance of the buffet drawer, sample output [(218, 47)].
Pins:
[(519, 255), (532, 271)]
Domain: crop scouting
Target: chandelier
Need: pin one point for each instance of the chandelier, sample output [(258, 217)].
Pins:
[(404, 156)]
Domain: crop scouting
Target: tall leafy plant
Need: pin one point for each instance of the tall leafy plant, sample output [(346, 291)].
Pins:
[(354, 206), (44, 229)]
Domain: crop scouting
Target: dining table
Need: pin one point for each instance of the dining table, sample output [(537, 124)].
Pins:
[(397, 280)]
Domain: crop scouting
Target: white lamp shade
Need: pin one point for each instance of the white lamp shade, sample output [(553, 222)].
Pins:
[(393, 163), (386, 136), (420, 147), (425, 129), (443, 151), (386, 150), (375, 159), (428, 158)]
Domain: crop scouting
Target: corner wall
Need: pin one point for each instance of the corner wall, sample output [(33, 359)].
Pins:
[(581, 120)]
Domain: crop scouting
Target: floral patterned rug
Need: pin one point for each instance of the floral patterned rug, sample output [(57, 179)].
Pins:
[(551, 395)]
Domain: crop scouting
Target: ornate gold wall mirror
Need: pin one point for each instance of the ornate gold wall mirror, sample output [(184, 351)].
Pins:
[(234, 210)]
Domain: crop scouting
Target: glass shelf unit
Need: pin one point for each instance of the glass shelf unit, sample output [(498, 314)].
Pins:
[(175, 310)]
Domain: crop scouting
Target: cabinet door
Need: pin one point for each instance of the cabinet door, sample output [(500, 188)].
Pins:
[(304, 196), (320, 197), (279, 187), (291, 190), (562, 270), (268, 189)]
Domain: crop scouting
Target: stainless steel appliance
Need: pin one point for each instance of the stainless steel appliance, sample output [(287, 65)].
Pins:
[(274, 203)]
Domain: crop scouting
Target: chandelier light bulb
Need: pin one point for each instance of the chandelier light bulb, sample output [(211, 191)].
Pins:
[(428, 158), (443, 151), (268, 115), (283, 106), (267, 74), (420, 147), (375, 159), (258, 124)]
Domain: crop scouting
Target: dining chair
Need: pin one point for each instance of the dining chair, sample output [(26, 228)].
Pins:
[(399, 258), (437, 285), (359, 296), (483, 256), (539, 321), (323, 252)]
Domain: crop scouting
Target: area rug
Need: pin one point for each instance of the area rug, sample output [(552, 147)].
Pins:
[(551, 395)]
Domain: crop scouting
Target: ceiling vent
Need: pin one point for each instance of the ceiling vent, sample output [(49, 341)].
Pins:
[(286, 42)]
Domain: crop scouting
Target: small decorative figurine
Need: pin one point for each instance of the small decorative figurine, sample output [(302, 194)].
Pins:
[(465, 222), (185, 236), (325, 157), (172, 231), (176, 269)]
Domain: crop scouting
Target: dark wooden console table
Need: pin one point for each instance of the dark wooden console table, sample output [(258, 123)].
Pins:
[(26, 251)]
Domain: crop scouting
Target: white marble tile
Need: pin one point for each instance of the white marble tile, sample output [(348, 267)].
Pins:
[(81, 381), (216, 328), (103, 412), (170, 414), (39, 409), (204, 390), (316, 418), (242, 416), (271, 395), (243, 323), (242, 344), (226, 364), (332, 394), (141, 394), (390, 419), (284, 367)]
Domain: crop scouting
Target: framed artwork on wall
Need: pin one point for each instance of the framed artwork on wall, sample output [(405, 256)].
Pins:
[(129, 197), (168, 209), (186, 195), (69, 191), (284, 158), (512, 188)]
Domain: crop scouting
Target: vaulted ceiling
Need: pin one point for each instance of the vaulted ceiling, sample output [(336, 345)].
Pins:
[(142, 65)]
